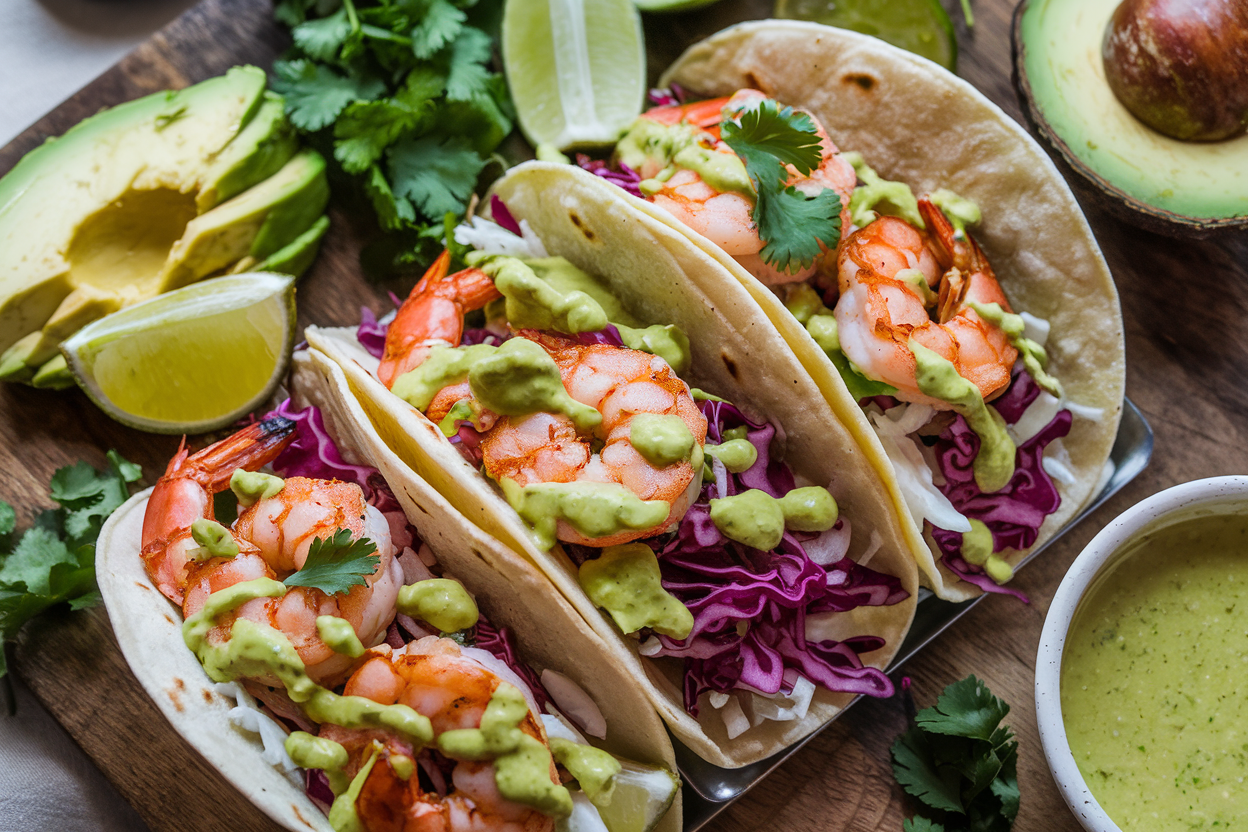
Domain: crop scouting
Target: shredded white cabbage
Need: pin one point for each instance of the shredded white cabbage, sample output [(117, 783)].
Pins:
[(873, 545), (584, 817), (650, 647), (575, 703), (1083, 411), (717, 699), (247, 715), (784, 707), (1036, 329), (1035, 418), (492, 238), (1058, 471), (557, 726), (735, 719), (915, 479)]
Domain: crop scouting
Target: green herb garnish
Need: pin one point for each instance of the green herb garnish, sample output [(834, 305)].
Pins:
[(403, 91), (791, 224), (959, 761), (54, 560), (336, 563)]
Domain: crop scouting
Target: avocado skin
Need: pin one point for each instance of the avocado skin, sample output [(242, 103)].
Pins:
[(296, 256), (1093, 188)]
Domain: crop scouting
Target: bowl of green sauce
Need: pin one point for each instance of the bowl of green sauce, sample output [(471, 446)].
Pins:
[(1143, 666)]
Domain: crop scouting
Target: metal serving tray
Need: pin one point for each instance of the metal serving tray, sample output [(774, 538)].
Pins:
[(710, 789)]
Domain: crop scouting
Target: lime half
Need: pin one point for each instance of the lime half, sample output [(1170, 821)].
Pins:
[(919, 26), (641, 797), (191, 360), (568, 94)]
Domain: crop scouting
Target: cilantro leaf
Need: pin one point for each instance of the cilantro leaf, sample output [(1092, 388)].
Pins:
[(337, 563), (791, 224), (392, 211), (468, 77), (442, 23), (966, 709), (54, 560), (322, 39), (366, 128), (436, 176), (918, 773), (315, 94), (960, 762)]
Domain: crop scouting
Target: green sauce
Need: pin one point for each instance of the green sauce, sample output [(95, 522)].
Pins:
[(667, 341), (1152, 680), (402, 765), (703, 396), (810, 311), (339, 635), (533, 303), (676, 146), (593, 768), (250, 487), (521, 763), (738, 455), (977, 550), (214, 539), (308, 751), (521, 378), (254, 651), (441, 602), (877, 195), (960, 210), (937, 377), (625, 581), (1034, 356), (758, 520), (661, 440), (595, 509), (443, 367), (342, 814), (567, 278)]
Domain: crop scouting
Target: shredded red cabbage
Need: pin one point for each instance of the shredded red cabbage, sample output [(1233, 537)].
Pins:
[(1013, 514), (609, 336), (619, 174), (480, 335), (675, 94), (371, 334), (728, 586), (502, 215), (501, 643)]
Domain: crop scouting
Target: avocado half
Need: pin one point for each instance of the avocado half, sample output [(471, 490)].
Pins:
[(1172, 187), (146, 197)]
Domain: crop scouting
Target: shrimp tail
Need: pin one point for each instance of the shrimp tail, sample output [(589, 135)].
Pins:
[(184, 495), (434, 311)]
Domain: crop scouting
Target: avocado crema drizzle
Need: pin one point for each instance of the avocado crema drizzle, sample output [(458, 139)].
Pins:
[(519, 378), (522, 763)]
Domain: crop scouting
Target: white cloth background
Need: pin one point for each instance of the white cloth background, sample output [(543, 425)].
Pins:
[(48, 50)]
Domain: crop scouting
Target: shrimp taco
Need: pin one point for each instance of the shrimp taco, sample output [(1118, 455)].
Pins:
[(629, 421), (922, 256), (369, 660)]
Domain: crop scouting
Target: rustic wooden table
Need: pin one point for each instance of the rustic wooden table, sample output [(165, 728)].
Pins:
[(1187, 368)]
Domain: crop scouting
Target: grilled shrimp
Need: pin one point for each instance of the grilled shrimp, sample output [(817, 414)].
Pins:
[(881, 306), (273, 537), (452, 687), (725, 218)]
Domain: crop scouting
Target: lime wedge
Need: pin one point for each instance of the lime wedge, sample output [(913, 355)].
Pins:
[(920, 26), (671, 5), (567, 94), (190, 360), (641, 797)]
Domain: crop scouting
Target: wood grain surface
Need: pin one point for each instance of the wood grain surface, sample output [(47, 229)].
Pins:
[(1187, 351)]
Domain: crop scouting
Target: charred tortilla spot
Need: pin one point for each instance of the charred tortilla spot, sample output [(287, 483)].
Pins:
[(861, 79), (175, 696), (170, 620), (143, 586), (208, 695), (299, 815), (576, 220), (729, 364)]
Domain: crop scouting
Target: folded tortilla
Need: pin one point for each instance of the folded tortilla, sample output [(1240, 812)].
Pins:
[(509, 591), (661, 278), (916, 123)]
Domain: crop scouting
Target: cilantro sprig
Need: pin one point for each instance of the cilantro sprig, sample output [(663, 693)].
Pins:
[(790, 223), (336, 563), (960, 763), (54, 560), (403, 93)]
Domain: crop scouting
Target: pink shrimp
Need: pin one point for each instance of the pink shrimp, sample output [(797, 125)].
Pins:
[(452, 687), (725, 218), (433, 313), (273, 537), (879, 310)]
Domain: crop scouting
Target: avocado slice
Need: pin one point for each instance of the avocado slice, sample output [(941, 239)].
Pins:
[(258, 151), (1166, 185), (102, 204), (295, 257), (256, 223)]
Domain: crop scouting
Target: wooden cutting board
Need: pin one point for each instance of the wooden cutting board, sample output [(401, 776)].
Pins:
[(1187, 348)]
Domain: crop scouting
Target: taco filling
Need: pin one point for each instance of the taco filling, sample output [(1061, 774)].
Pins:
[(671, 503), (369, 673), (896, 293)]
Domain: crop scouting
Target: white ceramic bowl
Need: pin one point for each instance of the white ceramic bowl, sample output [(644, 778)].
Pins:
[(1202, 498)]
